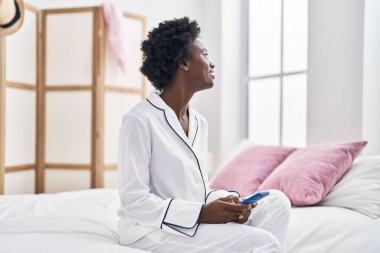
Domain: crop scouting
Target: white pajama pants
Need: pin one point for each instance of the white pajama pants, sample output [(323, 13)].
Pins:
[(265, 231)]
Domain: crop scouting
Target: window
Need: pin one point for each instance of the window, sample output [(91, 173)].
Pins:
[(277, 72)]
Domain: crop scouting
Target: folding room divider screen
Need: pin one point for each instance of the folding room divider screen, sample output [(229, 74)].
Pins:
[(63, 100)]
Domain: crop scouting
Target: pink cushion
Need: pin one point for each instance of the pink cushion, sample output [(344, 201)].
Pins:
[(249, 168), (308, 174)]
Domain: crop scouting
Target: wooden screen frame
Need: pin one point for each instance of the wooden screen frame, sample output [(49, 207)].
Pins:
[(23, 86), (128, 90), (2, 113), (95, 169), (98, 90)]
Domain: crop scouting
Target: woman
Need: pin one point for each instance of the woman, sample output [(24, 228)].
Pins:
[(166, 205)]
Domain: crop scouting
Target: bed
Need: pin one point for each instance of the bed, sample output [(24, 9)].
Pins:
[(86, 220)]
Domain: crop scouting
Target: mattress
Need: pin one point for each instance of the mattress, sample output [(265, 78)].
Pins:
[(80, 221), (332, 229), (86, 221)]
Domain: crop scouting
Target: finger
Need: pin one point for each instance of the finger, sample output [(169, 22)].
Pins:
[(238, 221), (248, 206), (247, 214), (227, 199), (235, 199), (237, 212), (238, 217), (251, 206), (243, 215), (231, 199), (241, 219), (239, 207)]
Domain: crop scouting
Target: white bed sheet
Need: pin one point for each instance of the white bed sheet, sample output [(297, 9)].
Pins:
[(86, 221), (81, 221), (332, 229)]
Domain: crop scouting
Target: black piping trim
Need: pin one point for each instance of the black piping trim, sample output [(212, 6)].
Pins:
[(171, 224), (220, 190), (199, 167), (14, 19), (166, 212), (154, 105), (183, 232), (210, 193), (196, 132), (236, 192)]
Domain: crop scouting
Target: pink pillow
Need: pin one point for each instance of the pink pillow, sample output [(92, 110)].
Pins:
[(308, 174), (249, 169)]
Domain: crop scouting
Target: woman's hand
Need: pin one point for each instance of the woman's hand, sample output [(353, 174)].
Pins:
[(225, 210), (244, 217)]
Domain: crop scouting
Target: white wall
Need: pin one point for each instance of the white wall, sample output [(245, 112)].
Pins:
[(335, 75), (207, 102), (223, 105), (344, 76), (232, 76), (371, 77), (155, 11)]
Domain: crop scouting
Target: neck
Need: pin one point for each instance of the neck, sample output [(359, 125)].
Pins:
[(178, 99)]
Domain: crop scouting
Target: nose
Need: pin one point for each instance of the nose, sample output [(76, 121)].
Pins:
[(212, 65)]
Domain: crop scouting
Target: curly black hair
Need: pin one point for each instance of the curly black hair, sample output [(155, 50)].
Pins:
[(166, 46)]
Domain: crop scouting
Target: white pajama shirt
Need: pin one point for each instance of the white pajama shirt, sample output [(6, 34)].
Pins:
[(163, 180)]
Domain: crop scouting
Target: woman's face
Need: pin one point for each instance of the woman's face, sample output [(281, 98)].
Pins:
[(201, 70)]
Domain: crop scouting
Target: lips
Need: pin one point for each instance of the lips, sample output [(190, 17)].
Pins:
[(212, 74)]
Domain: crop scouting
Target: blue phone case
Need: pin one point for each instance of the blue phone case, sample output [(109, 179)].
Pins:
[(255, 197)]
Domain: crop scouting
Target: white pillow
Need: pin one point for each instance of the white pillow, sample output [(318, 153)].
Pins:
[(359, 188)]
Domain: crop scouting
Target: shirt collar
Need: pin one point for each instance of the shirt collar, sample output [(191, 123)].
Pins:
[(155, 99)]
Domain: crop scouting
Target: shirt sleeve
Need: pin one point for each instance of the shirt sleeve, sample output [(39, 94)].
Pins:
[(175, 216), (216, 194)]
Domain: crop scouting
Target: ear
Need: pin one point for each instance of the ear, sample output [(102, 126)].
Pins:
[(183, 66)]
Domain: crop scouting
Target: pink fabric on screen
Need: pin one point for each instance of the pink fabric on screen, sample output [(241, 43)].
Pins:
[(114, 20), (248, 169), (308, 174)]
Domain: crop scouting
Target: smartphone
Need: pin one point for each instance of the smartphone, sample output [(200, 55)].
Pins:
[(255, 197)]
